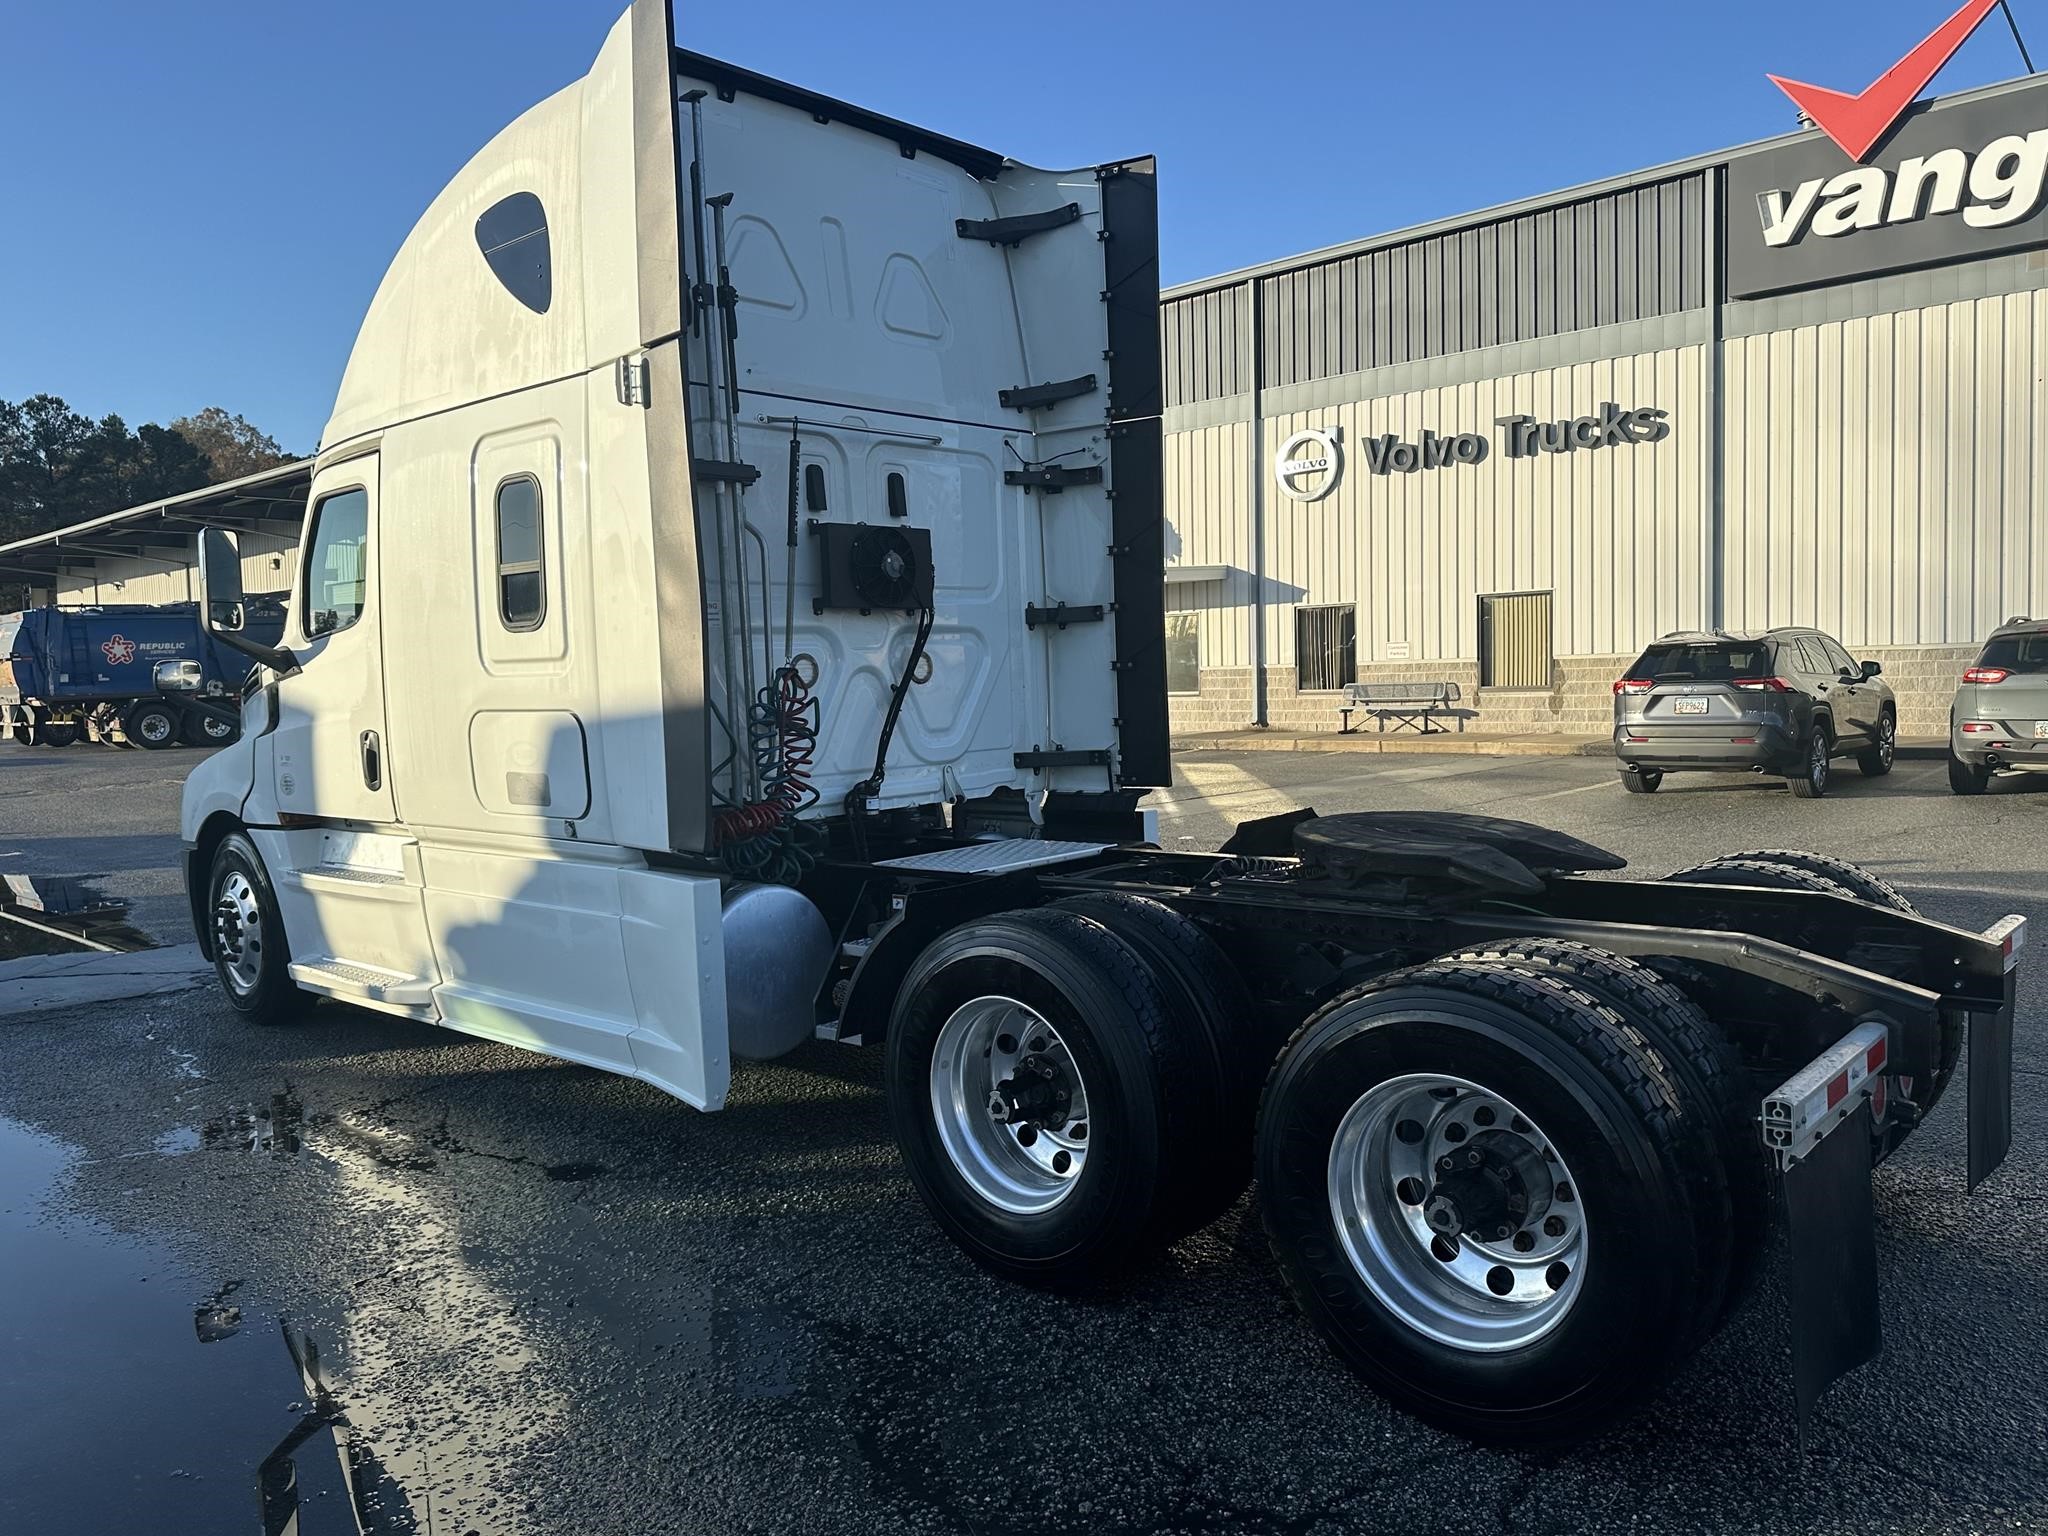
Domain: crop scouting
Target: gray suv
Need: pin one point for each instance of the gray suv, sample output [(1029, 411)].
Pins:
[(2000, 717), (1785, 701)]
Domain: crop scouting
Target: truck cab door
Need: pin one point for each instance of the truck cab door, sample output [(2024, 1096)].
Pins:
[(330, 757)]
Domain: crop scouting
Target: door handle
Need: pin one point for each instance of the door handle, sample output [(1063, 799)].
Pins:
[(373, 761)]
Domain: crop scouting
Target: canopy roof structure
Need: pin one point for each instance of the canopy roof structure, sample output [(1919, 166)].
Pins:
[(161, 532)]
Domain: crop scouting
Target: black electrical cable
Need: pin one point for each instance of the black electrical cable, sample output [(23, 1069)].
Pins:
[(857, 798)]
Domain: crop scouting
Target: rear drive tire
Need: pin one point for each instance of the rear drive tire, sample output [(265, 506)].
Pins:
[(247, 936), (1853, 878), (1876, 761), (1499, 1343), (1207, 995), (1963, 778), (1044, 1002), (1641, 781), (1715, 1086), (1811, 782), (150, 724), (204, 728), (1764, 872)]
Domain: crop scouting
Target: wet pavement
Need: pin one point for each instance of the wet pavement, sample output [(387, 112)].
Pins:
[(401, 1281)]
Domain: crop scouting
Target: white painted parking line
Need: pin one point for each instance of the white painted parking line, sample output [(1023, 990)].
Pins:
[(1577, 789)]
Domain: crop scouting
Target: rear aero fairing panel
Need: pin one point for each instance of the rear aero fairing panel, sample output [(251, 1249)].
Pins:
[(897, 301)]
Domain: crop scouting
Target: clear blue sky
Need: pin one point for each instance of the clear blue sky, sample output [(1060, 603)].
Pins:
[(198, 200)]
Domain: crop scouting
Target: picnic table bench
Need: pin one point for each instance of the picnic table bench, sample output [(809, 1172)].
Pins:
[(1413, 705)]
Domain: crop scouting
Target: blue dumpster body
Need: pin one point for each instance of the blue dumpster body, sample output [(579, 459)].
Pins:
[(61, 666)]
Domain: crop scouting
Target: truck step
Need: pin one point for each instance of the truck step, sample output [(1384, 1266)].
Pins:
[(363, 983), (1001, 854)]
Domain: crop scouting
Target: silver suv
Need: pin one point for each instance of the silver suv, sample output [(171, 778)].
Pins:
[(2000, 717), (1784, 701)]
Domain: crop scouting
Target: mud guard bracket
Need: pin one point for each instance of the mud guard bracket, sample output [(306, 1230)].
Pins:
[(1018, 228)]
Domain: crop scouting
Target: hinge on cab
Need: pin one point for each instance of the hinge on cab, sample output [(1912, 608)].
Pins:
[(631, 376)]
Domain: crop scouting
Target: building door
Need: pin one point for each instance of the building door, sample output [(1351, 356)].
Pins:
[(331, 756), (1515, 640)]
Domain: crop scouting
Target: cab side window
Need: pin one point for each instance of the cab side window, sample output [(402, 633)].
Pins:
[(522, 581), (337, 562)]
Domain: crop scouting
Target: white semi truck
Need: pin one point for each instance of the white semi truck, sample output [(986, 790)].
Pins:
[(732, 615)]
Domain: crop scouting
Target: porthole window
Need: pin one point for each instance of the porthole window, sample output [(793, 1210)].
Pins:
[(522, 580), (513, 235)]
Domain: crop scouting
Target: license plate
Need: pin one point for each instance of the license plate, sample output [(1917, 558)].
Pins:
[(1689, 707), (2041, 729)]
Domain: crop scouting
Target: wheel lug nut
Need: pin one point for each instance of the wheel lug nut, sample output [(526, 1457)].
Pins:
[(1444, 1165), (1553, 1226)]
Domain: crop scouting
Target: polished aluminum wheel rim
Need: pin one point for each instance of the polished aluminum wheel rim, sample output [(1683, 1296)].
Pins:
[(155, 727), (1023, 1165), (1468, 1291), (238, 931)]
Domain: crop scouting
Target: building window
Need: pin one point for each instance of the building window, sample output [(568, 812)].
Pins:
[(1325, 647), (336, 554), (1515, 640), (522, 585), (1183, 653)]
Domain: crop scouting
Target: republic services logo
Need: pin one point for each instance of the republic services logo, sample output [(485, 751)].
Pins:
[(120, 650)]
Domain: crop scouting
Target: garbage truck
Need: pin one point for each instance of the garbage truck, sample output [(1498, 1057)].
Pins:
[(145, 675), (731, 617)]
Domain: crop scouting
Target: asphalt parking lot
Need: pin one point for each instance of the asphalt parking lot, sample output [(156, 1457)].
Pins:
[(547, 1300)]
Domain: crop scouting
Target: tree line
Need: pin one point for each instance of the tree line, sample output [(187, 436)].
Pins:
[(60, 466)]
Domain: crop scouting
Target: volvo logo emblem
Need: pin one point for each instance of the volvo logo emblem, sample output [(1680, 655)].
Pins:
[(1310, 463)]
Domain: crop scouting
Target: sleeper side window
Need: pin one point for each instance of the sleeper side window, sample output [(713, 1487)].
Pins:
[(522, 582), (337, 555)]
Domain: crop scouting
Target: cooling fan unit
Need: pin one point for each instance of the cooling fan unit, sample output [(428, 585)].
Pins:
[(872, 569)]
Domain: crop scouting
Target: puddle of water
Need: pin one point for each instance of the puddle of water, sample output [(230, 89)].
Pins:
[(70, 904), (132, 1419), (177, 1141)]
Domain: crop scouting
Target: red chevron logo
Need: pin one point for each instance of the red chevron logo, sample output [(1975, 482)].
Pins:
[(1858, 122)]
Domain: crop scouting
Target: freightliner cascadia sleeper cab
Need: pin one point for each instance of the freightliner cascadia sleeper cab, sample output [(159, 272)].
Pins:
[(731, 616)]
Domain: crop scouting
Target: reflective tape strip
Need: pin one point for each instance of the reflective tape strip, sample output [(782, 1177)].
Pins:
[(2010, 934), (1823, 1093)]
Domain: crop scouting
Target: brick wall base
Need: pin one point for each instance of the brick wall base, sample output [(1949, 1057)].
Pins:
[(1579, 702)]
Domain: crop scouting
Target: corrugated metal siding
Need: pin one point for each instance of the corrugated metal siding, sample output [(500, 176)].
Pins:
[(1624, 256), (1619, 534), (1202, 352), (1885, 475), (1208, 522), (1515, 649)]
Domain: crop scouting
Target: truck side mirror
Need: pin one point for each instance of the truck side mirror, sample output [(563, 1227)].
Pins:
[(220, 602), (220, 580), (179, 676), (1872, 669)]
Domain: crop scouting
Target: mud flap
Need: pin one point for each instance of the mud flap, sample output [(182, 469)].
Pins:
[(1991, 1086), (1831, 1261)]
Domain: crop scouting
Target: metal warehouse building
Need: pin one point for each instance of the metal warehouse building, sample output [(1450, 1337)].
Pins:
[(1767, 386)]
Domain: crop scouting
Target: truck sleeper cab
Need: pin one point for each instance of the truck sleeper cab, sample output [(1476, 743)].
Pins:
[(731, 614)]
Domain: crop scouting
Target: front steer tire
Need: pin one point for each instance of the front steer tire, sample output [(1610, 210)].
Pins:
[(246, 935), (1633, 1146), (1145, 1082)]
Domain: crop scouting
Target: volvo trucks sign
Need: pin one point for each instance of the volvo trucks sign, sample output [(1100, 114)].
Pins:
[(1937, 184)]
